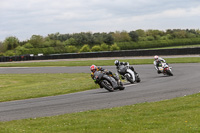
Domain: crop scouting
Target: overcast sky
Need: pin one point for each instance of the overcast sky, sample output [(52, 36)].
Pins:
[(24, 18)]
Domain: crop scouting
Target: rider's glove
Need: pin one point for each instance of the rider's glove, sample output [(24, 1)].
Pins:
[(110, 72)]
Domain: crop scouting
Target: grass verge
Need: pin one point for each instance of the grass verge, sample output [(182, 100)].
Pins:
[(184, 46), (98, 62), (24, 86), (180, 115)]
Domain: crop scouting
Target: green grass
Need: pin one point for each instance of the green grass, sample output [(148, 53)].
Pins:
[(179, 115), (24, 86), (98, 62), (184, 46)]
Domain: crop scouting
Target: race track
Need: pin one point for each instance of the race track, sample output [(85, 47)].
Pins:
[(153, 87)]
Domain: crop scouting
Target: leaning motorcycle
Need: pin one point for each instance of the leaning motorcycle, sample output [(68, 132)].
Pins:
[(165, 69), (128, 74), (107, 81)]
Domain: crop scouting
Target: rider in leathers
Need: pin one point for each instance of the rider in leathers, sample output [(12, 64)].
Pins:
[(157, 63), (94, 68), (118, 64)]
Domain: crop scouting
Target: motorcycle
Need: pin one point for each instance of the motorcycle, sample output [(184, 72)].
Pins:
[(128, 74), (165, 69), (107, 81)]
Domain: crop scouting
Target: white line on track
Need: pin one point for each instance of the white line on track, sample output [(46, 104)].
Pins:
[(129, 85)]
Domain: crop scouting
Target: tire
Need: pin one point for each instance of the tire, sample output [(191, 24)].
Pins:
[(129, 78), (105, 84), (169, 73), (121, 86), (138, 79)]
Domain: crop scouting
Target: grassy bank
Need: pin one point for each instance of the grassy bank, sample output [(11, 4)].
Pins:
[(98, 62), (23, 86), (180, 115)]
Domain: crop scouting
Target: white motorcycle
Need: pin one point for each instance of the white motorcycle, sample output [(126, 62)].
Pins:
[(165, 69), (128, 74)]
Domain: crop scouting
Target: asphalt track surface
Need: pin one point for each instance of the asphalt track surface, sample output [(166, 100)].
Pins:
[(153, 87)]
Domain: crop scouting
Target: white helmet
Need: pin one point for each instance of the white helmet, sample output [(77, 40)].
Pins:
[(116, 62), (156, 57)]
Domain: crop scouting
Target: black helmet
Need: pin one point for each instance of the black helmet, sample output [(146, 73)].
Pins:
[(116, 62)]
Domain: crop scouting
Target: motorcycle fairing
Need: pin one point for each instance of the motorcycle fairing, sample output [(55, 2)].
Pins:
[(132, 73)]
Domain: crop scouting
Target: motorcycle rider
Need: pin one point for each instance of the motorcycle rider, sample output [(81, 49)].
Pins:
[(94, 68), (118, 64), (157, 63)]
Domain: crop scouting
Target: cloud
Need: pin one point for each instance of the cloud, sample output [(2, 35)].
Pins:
[(24, 18)]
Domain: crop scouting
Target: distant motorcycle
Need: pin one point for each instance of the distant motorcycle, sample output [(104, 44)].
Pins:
[(165, 69), (107, 82), (128, 74)]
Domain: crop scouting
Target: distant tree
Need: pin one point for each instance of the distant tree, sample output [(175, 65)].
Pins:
[(50, 43), (63, 37), (169, 31), (21, 43), (1, 47), (50, 50), (98, 38), (150, 38), (9, 53), (190, 35), (134, 36), (108, 38), (28, 45), (70, 41), (197, 32), (54, 36), (10, 43), (142, 38), (104, 47), (141, 33), (71, 49), (169, 36), (37, 41), (20, 50), (96, 48), (154, 33), (179, 33), (47, 43), (85, 48), (121, 36), (81, 38), (90, 38), (114, 47), (58, 43), (53, 43)]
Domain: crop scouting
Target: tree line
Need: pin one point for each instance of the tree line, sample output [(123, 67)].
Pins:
[(92, 42)]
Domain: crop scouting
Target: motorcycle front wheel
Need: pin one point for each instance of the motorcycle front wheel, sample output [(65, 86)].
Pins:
[(137, 78), (129, 78), (169, 73)]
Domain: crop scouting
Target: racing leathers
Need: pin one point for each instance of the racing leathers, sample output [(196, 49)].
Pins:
[(158, 63)]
